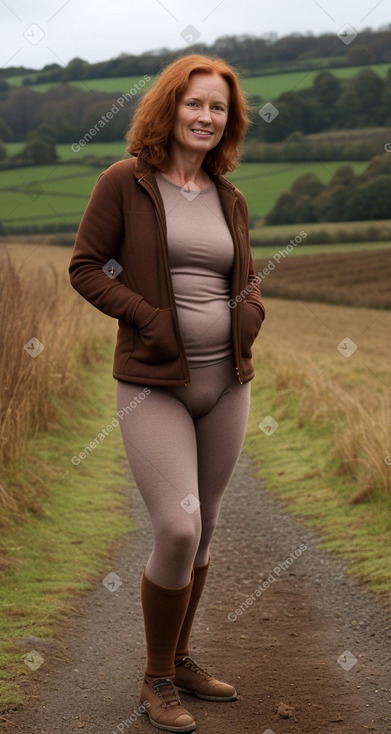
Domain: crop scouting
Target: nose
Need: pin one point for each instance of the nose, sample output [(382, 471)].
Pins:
[(204, 115)]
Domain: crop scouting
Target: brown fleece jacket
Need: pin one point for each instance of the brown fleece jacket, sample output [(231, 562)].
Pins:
[(125, 222)]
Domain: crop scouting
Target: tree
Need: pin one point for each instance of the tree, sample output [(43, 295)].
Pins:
[(6, 133), (367, 89), (307, 183), (40, 149), (330, 204), (76, 69), (3, 152), (370, 200), (326, 88), (304, 209), (283, 211), (43, 131), (344, 176)]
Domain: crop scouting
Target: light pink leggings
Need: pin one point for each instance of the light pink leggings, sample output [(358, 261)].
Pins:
[(182, 445)]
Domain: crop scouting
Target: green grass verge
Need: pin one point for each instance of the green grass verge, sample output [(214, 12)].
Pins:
[(62, 552), (298, 464)]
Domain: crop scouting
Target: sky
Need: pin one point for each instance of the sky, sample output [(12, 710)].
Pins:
[(34, 34)]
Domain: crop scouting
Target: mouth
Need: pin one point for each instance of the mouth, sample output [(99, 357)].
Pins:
[(204, 133)]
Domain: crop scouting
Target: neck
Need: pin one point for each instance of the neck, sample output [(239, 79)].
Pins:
[(183, 169)]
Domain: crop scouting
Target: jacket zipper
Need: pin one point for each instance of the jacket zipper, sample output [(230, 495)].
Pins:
[(144, 182)]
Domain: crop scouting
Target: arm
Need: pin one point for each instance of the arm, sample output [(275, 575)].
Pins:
[(98, 240), (254, 296)]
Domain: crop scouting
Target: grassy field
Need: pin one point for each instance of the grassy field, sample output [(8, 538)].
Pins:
[(329, 459), (262, 183), (268, 87), (63, 550), (115, 150), (58, 194)]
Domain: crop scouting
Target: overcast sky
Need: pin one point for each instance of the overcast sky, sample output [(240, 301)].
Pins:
[(34, 34)]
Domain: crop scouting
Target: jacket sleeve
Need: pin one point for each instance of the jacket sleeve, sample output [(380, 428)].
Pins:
[(97, 242), (252, 286)]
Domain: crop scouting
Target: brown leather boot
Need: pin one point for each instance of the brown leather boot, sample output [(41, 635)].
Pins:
[(165, 710), (192, 679)]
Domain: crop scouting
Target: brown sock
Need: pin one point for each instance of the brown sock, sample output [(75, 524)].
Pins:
[(200, 573), (164, 610)]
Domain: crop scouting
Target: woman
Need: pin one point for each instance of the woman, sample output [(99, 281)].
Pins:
[(163, 247)]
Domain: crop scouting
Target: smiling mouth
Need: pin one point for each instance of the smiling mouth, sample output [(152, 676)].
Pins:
[(201, 132)]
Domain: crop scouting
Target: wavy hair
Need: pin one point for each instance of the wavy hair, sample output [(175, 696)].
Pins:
[(149, 133)]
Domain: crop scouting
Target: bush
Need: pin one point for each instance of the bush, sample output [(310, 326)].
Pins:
[(347, 197), (370, 200)]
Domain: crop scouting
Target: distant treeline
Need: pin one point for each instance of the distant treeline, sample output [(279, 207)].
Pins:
[(347, 197), (249, 53), (361, 144), (71, 112), (330, 105)]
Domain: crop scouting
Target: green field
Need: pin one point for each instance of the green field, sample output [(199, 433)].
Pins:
[(268, 87), (262, 183), (116, 149), (116, 84), (59, 193)]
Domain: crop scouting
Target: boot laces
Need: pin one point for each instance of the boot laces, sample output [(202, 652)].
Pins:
[(164, 688), (195, 668)]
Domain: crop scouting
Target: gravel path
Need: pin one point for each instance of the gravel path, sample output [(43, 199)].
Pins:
[(280, 648)]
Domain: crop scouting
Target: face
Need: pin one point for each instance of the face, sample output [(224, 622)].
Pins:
[(201, 115)]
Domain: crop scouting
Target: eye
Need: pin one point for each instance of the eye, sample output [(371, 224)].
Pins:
[(189, 104)]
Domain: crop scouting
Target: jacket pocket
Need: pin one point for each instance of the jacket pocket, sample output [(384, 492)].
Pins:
[(155, 339), (251, 322)]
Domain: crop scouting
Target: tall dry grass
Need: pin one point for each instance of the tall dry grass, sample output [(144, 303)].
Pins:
[(361, 437), (352, 394), (37, 301)]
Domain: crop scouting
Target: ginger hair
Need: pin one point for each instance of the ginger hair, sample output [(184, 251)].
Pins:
[(149, 133)]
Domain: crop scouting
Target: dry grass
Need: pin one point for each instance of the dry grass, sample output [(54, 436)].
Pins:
[(353, 394), (37, 302)]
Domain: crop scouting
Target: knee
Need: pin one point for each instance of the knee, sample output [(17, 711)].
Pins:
[(184, 539)]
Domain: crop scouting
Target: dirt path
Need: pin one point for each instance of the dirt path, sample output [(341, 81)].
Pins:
[(283, 647)]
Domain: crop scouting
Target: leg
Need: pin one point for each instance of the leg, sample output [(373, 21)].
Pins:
[(159, 439), (220, 436), (160, 443)]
